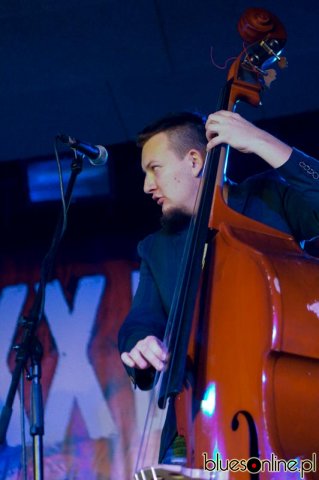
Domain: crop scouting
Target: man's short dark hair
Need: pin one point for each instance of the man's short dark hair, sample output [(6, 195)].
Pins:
[(186, 130)]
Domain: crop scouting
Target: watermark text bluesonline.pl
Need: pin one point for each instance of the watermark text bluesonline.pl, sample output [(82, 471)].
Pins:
[(256, 465)]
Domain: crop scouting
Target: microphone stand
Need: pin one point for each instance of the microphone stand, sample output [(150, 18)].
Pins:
[(30, 348)]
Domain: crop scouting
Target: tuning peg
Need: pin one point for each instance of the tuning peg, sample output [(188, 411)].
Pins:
[(270, 77), (283, 62)]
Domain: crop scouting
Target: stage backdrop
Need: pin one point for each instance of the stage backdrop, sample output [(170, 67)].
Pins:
[(93, 416)]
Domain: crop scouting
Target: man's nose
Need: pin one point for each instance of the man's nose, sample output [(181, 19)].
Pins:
[(149, 184)]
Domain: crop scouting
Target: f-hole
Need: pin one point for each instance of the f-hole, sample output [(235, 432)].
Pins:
[(253, 437)]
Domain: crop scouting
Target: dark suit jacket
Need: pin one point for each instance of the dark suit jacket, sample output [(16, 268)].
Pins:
[(286, 198)]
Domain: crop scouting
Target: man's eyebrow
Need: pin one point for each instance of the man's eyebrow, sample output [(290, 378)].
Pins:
[(144, 168)]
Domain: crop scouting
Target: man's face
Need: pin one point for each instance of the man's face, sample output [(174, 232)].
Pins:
[(171, 180)]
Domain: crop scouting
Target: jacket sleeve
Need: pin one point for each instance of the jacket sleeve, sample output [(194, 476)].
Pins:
[(145, 318), (301, 194)]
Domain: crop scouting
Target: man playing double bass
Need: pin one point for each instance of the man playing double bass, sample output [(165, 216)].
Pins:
[(285, 197)]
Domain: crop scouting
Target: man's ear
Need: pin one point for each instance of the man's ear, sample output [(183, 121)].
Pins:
[(197, 162)]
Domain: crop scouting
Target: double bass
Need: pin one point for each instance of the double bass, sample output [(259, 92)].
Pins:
[(247, 302)]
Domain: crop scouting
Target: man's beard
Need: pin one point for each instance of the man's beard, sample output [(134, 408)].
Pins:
[(175, 220)]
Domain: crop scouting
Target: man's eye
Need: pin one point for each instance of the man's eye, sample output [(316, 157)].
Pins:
[(155, 167)]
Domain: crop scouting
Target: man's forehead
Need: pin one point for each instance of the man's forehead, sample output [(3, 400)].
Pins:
[(158, 140), (154, 148)]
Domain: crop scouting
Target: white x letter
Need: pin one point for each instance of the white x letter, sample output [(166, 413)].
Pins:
[(74, 378)]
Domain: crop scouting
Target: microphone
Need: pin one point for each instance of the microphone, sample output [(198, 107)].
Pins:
[(97, 154)]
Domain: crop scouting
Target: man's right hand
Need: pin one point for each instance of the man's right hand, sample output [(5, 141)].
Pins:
[(149, 352)]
